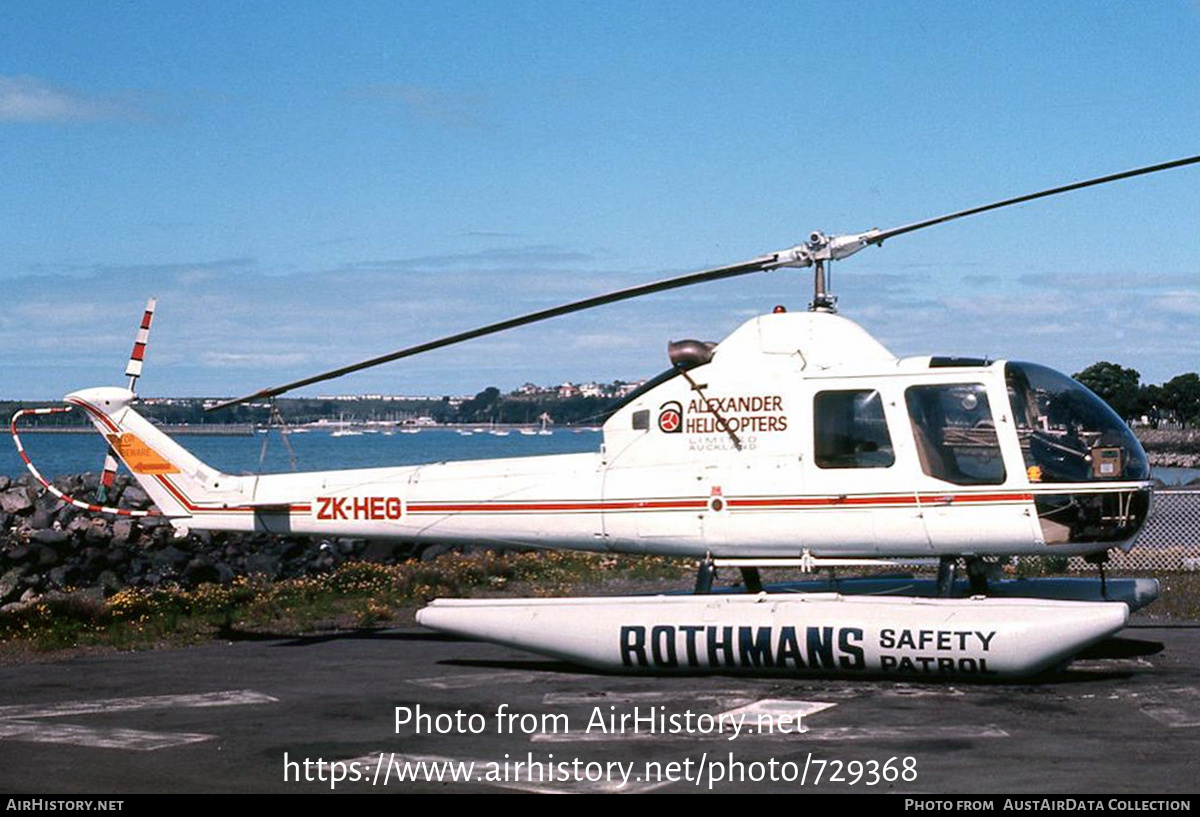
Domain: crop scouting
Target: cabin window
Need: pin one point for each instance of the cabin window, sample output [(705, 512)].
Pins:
[(850, 430), (955, 434)]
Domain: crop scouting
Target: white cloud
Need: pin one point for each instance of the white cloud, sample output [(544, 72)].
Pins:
[(1180, 303), (450, 109), (30, 99), (253, 359)]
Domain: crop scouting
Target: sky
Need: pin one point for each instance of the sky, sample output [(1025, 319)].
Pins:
[(302, 185)]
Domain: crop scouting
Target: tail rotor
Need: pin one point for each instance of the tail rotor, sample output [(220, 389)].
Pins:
[(133, 371)]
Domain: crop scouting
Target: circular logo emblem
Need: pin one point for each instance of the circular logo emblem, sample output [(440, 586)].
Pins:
[(670, 418)]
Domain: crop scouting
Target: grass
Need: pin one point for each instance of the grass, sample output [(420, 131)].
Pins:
[(366, 594), (358, 594), (1180, 599)]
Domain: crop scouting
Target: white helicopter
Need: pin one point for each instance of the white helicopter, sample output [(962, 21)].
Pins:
[(799, 440)]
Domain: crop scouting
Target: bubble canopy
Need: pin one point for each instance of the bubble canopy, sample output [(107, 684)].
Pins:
[(1067, 432)]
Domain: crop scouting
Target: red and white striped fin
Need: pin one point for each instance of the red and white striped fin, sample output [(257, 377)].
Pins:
[(70, 500), (134, 370)]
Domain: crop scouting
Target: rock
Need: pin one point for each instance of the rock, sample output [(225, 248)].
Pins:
[(45, 557), (200, 570), (93, 560), (108, 582), (10, 583), (122, 531), (378, 550), (433, 551), (170, 560), (15, 500), (57, 539), (41, 519), (4, 483), (326, 561), (17, 552), (263, 563), (65, 576), (97, 534), (134, 497)]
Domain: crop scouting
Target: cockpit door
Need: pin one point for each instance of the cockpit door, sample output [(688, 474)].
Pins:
[(973, 497)]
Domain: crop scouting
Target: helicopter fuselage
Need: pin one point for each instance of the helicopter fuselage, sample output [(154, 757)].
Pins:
[(799, 432)]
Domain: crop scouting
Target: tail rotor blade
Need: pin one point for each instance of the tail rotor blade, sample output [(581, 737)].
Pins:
[(133, 371), (136, 357)]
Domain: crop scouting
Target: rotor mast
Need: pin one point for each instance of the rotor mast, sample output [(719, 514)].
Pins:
[(817, 253)]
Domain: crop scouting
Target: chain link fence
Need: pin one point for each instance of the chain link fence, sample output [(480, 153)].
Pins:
[(1169, 541)]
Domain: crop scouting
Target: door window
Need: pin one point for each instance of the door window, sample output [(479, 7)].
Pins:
[(850, 430), (955, 434)]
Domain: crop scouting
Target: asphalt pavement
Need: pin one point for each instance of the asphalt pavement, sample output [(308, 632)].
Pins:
[(406, 710)]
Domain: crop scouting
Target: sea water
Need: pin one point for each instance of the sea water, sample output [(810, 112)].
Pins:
[(62, 454)]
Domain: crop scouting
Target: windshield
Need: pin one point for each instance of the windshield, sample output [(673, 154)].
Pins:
[(1067, 433)]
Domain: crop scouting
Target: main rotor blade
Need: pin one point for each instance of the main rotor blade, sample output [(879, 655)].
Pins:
[(799, 256), (759, 264), (1141, 171)]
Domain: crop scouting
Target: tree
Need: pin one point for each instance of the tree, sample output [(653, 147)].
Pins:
[(1115, 384), (1181, 395), (479, 408)]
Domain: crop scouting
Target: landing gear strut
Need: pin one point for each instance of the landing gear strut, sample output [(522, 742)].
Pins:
[(751, 579), (707, 571), (977, 574), (705, 575), (947, 567), (1099, 560)]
